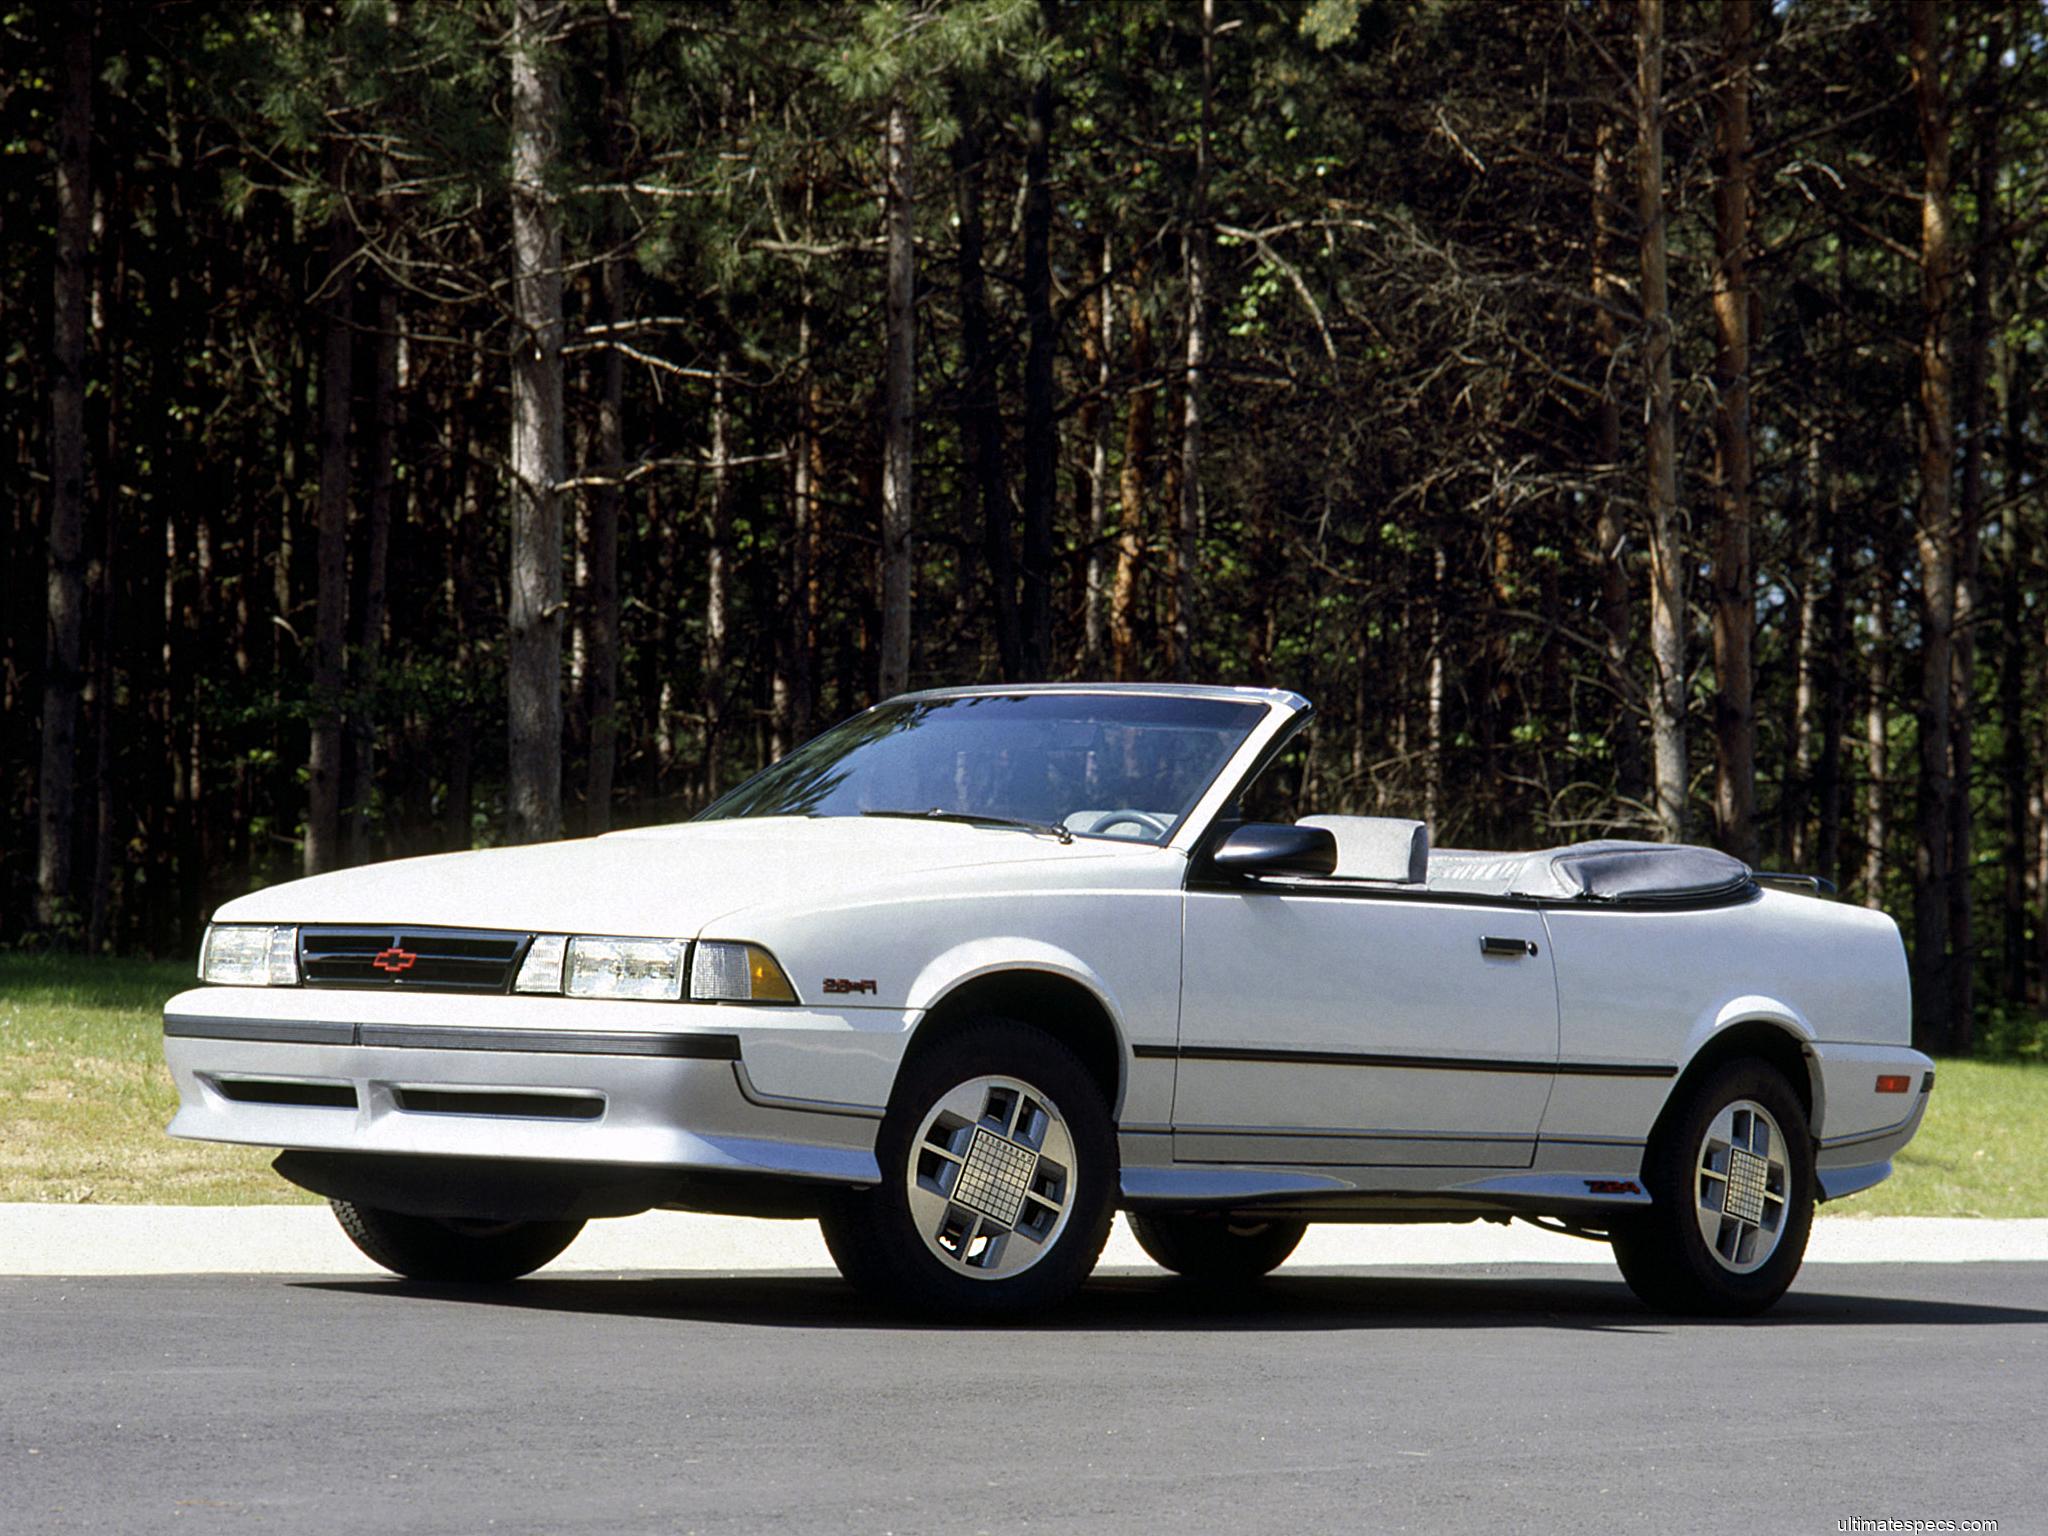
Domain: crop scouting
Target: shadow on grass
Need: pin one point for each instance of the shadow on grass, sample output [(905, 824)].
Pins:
[(1126, 1304)]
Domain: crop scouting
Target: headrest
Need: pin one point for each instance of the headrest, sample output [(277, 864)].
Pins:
[(1377, 847)]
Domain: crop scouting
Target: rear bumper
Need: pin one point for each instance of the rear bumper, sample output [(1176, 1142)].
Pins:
[(524, 1089), (1846, 1164)]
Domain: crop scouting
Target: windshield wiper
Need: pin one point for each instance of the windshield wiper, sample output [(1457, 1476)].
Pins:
[(976, 819)]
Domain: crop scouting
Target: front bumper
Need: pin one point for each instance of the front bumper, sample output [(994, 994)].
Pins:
[(780, 1092)]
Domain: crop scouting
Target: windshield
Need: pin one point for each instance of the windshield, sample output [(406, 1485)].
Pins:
[(1098, 765)]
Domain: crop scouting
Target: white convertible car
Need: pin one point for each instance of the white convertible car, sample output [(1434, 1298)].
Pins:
[(971, 971)]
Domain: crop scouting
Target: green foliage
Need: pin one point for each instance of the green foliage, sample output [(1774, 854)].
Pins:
[(914, 51), (1400, 473), (2011, 1033), (1330, 22), (1982, 1150)]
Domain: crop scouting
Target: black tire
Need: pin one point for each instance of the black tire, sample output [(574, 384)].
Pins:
[(1216, 1250), (452, 1251), (1664, 1254), (876, 1241)]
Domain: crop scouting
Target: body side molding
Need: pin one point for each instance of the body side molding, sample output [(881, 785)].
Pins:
[(1266, 1056)]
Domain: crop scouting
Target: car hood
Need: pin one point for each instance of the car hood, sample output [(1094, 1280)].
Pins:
[(656, 881)]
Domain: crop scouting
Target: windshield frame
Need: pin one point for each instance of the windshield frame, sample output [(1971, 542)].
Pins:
[(1279, 710)]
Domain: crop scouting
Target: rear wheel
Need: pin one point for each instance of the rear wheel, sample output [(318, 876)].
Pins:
[(999, 1172), (1731, 1185), (453, 1250), (1216, 1250)]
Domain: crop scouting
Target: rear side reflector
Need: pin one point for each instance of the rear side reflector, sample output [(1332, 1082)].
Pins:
[(1893, 1083)]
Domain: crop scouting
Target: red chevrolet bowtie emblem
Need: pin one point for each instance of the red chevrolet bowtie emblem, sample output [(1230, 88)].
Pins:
[(395, 960)]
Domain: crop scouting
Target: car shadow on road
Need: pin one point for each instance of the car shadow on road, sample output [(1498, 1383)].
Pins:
[(1126, 1303)]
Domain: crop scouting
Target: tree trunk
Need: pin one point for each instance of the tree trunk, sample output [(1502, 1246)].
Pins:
[(899, 408), (1099, 338), (1877, 705), (607, 501), (1660, 491), (1734, 578), (2024, 637), (1935, 1026), (1433, 719), (330, 624), (1041, 433), (1803, 615), (801, 703), (464, 601), (1184, 576), (1976, 404), (101, 913), (981, 423), (102, 579), (1834, 624), (1610, 533), (1130, 518), (369, 645), (62, 678), (717, 598), (534, 662), (601, 673), (2026, 892), (2016, 768)]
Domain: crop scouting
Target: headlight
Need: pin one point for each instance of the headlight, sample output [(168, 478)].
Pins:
[(722, 971), (245, 955), (646, 969)]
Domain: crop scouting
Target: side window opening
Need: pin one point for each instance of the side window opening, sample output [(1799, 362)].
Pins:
[(1275, 794)]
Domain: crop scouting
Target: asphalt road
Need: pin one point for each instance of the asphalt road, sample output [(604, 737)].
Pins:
[(1521, 1399)]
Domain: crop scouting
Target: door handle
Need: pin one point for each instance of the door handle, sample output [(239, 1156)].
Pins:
[(1511, 949)]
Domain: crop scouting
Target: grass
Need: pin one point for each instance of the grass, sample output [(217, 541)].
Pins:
[(1982, 1151), (85, 1096)]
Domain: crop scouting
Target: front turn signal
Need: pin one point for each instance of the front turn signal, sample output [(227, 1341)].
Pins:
[(723, 971)]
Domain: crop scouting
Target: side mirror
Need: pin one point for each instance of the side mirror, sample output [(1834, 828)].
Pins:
[(1275, 848)]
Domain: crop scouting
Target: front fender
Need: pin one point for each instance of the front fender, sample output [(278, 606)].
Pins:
[(953, 968)]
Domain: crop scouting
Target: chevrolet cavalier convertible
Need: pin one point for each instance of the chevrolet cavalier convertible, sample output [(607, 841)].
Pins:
[(970, 972)]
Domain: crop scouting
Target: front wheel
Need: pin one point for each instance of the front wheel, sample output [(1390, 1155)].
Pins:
[(453, 1250), (1731, 1186), (1216, 1250), (999, 1174)]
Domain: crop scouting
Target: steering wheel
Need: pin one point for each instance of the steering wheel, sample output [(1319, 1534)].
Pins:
[(1145, 821)]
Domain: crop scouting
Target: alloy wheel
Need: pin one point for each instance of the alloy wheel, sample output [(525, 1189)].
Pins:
[(991, 1177), (1741, 1186)]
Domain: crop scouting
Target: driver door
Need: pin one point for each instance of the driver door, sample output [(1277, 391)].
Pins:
[(1327, 1026)]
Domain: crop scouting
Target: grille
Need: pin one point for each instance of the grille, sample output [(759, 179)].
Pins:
[(421, 959)]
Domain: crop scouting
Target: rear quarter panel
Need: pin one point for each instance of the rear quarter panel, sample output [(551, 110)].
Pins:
[(1654, 987)]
